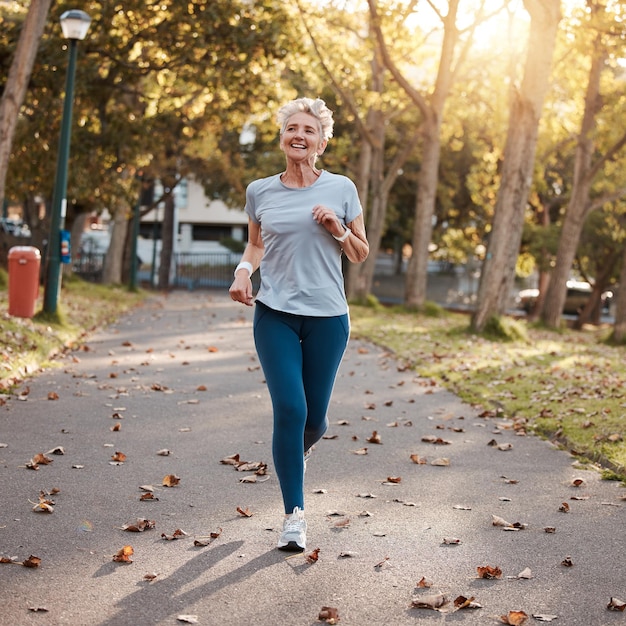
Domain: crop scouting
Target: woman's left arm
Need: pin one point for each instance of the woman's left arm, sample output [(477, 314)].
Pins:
[(355, 246)]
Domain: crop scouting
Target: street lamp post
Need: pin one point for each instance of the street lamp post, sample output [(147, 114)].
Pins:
[(75, 25)]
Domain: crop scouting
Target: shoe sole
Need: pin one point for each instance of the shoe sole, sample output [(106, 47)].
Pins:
[(292, 546)]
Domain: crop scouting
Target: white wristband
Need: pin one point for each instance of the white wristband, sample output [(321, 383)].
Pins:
[(344, 236), (244, 265)]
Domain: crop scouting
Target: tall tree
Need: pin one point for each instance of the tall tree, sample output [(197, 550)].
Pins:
[(431, 105), (591, 159), (498, 272), (17, 81)]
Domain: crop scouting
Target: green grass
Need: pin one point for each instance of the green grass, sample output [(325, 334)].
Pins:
[(569, 385), (30, 344)]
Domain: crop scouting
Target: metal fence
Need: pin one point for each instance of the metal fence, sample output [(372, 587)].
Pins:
[(189, 270)]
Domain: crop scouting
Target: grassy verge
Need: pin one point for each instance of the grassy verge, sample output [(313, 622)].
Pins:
[(570, 386), (29, 344)]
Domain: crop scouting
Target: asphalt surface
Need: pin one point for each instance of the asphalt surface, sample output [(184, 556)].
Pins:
[(180, 375)]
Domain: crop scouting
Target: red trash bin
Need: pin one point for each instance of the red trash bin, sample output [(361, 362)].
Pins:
[(24, 262)]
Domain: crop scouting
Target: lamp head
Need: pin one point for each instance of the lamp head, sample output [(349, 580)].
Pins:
[(75, 24)]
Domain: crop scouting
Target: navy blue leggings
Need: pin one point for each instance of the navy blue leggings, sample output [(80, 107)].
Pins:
[(300, 356)]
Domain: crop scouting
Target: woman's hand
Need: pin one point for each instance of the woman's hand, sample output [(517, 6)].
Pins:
[(241, 289), (328, 219)]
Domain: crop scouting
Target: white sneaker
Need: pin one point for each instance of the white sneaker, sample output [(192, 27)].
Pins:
[(293, 537)]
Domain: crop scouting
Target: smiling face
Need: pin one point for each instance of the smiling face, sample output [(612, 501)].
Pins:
[(301, 140)]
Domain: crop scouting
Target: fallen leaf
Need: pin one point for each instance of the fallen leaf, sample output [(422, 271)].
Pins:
[(170, 480), (394, 480), (418, 460), (150, 577), (343, 423), (164, 452), (365, 495), (53, 395), (38, 609), (123, 555), (187, 619), (461, 602), (451, 541), (488, 572), (328, 614), (514, 618), (441, 462), (118, 457), (32, 561), (550, 529), (499, 521), (244, 512), (139, 526), (542, 617), (374, 438), (567, 562), (177, 534), (564, 508), (312, 556), (434, 602), (436, 440), (615, 604), (424, 583), (361, 451)]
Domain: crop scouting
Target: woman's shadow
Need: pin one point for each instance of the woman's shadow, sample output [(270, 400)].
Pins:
[(156, 600)]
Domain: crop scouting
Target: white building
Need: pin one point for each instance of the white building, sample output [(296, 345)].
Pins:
[(200, 223)]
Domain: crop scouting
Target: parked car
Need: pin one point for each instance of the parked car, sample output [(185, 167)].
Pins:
[(578, 293)]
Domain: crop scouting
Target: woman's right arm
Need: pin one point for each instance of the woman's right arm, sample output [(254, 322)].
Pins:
[(241, 289)]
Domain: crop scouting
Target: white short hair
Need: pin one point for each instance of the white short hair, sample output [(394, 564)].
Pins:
[(317, 108)]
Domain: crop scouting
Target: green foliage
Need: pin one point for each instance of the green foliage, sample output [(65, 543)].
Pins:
[(4, 279), (504, 329), (568, 382)]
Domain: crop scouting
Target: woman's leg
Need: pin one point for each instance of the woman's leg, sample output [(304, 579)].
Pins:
[(324, 341), (277, 340)]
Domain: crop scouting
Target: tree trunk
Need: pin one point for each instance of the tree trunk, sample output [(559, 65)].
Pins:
[(417, 269), (17, 81), (498, 273), (112, 270), (619, 326), (364, 273), (167, 242), (579, 205)]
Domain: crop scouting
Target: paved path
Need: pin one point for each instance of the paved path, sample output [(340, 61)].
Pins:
[(181, 374)]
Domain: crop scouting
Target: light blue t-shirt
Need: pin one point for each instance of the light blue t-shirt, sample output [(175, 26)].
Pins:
[(301, 266)]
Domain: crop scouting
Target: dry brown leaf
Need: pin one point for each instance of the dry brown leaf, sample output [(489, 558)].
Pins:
[(32, 561), (148, 496), (313, 556), (374, 438), (564, 508), (116, 427), (53, 395), (496, 520), (394, 479), (123, 555), (118, 457), (139, 526), (418, 460), (567, 562), (170, 480), (489, 572), (244, 512), (206, 541), (360, 451), (164, 452), (328, 614), (436, 440), (451, 541), (150, 577), (424, 583), (461, 602), (177, 534), (342, 523), (514, 618), (233, 459)]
